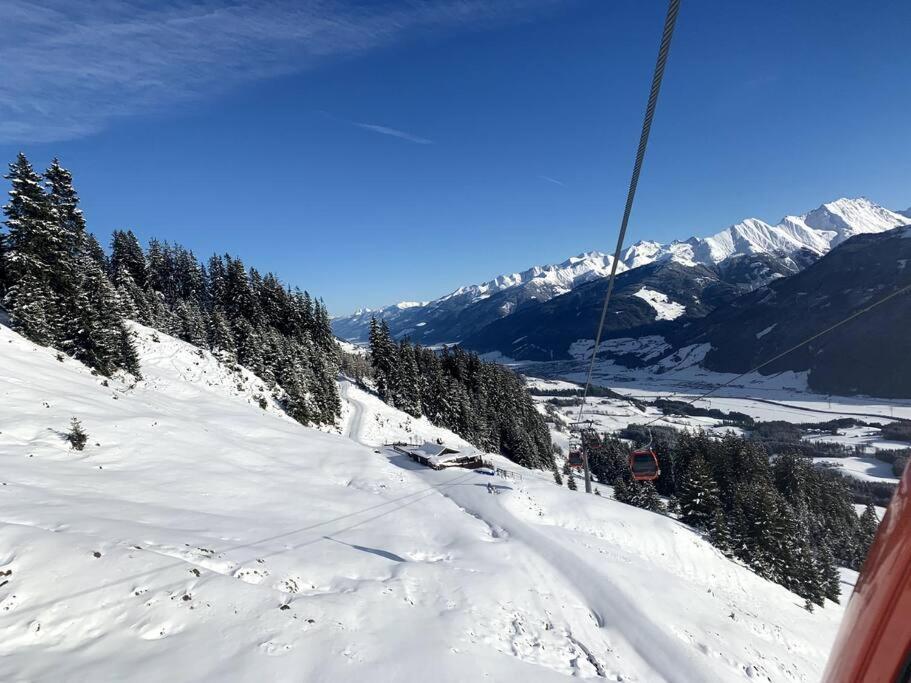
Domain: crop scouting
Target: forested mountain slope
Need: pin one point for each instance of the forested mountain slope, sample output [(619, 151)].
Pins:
[(869, 355)]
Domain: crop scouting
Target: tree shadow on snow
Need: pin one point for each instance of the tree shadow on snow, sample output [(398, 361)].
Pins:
[(373, 551)]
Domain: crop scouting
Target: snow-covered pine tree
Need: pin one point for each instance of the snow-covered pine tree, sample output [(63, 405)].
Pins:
[(248, 344), (29, 301), (99, 340), (720, 534), (759, 531), (831, 581), (866, 531), (127, 258), (408, 385), (698, 494), (295, 378), (77, 436), (129, 359), (31, 247), (215, 283), (94, 251), (324, 387), (640, 494), (192, 324), (220, 337), (382, 352), (64, 261)]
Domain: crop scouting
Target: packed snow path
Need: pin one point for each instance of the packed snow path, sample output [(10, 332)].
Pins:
[(611, 608), (354, 426), (200, 537)]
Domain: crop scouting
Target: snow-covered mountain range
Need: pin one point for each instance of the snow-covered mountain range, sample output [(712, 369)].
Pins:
[(433, 320), (794, 242)]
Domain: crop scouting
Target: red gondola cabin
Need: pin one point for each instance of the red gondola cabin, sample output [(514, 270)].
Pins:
[(575, 458), (643, 465)]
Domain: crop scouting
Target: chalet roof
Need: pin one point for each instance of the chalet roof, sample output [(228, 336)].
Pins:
[(437, 453)]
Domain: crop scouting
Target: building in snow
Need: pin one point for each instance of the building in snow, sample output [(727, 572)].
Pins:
[(439, 456)]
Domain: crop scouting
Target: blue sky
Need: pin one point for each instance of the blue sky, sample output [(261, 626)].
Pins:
[(374, 152)]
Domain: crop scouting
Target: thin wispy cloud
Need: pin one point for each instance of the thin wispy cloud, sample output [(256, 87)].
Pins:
[(385, 130), (71, 68), (548, 179)]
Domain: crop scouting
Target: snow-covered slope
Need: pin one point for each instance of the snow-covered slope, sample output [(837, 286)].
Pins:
[(201, 537), (665, 309)]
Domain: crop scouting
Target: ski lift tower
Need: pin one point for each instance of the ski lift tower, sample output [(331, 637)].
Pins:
[(578, 448)]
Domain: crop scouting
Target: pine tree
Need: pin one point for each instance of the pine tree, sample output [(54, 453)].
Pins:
[(29, 301), (248, 345), (99, 341), (191, 326), (571, 481), (831, 581), (720, 534), (323, 386), (866, 532), (77, 436), (407, 384), (31, 248), (382, 352), (128, 260), (129, 359), (63, 261), (638, 494), (622, 490), (557, 478), (698, 495), (220, 338), (759, 530), (93, 250)]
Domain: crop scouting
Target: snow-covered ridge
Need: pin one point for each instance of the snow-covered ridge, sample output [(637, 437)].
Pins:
[(817, 231), (558, 278)]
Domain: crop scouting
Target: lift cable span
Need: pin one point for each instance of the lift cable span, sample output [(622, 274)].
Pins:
[(665, 46)]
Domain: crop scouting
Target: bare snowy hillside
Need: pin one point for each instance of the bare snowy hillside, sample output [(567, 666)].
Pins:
[(201, 537)]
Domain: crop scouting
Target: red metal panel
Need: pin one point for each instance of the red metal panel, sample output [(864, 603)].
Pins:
[(874, 641)]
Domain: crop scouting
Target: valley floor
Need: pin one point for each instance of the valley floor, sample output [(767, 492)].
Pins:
[(201, 537)]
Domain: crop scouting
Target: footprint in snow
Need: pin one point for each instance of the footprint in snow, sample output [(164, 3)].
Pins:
[(274, 649)]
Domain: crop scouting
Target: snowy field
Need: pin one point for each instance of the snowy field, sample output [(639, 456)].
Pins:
[(201, 537), (782, 396), (865, 469)]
